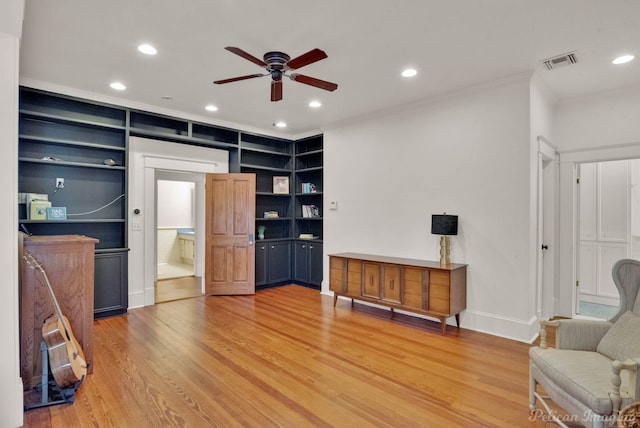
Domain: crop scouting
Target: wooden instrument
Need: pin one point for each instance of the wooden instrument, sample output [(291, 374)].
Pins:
[(66, 359)]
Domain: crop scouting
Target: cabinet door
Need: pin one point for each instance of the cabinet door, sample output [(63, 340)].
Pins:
[(261, 263), (391, 283), (279, 262), (315, 263), (371, 280), (300, 263), (110, 284)]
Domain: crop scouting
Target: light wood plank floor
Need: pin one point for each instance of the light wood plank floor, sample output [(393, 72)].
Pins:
[(177, 288), (286, 358)]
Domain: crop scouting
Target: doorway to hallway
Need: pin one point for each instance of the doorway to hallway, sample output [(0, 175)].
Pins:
[(608, 230)]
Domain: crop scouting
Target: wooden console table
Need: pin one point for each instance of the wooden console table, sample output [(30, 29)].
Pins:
[(69, 263), (416, 286)]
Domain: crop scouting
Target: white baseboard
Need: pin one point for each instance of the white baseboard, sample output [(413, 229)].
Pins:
[(136, 300), (493, 324)]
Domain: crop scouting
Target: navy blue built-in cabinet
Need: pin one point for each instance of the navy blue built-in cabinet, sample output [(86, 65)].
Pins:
[(86, 143)]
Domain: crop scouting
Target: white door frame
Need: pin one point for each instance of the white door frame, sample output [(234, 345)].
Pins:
[(547, 192), (198, 206), (145, 156), (567, 293), (153, 165)]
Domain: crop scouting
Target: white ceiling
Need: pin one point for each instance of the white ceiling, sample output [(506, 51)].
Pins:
[(86, 44)]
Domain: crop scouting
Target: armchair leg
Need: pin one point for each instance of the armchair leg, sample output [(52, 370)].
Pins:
[(532, 392)]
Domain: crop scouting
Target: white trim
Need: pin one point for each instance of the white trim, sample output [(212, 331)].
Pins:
[(569, 214), (600, 154), (11, 406), (495, 325), (146, 156)]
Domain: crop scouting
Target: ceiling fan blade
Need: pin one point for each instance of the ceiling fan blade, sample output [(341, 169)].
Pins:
[(276, 90), (307, 80), (306, 59), (235, 79), (246, 55)]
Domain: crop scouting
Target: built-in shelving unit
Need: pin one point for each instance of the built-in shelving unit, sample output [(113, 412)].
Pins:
[(70, 138), (308, 162), (268, 158)]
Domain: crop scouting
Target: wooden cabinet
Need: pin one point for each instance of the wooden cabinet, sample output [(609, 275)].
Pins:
[(68, 261), (417, 286)]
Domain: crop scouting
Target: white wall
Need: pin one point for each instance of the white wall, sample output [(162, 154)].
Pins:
[(11, 412), (467, 155), (600, 120), (175, 204)]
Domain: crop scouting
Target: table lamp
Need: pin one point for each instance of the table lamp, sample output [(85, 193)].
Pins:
[(444, 225)]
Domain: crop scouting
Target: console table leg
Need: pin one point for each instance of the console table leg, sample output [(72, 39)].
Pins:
[(335, 299), (458, 320), (352, 303), (392, 313), (443, 322)]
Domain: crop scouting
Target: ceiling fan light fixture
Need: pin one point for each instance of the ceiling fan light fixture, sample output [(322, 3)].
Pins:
[(623, 59), (409, 72), (118, 86), (147, 49), (277, 64)]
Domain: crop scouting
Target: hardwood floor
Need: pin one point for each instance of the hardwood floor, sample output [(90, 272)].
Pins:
[(178, 288), (285, 357)]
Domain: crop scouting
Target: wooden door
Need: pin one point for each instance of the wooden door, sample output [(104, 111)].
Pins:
[(229, 230)]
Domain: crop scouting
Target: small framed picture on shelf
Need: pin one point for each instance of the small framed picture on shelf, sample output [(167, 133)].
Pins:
[(281, 185)]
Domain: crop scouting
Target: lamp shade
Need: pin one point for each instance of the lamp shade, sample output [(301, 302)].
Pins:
[(444, 224)]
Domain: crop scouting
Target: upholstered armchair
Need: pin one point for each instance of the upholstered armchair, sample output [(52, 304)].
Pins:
[(591, 372)]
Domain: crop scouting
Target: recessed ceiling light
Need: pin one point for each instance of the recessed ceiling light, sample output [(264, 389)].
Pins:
[(118, 86), (623, 59), (315, 104), (211, 107), (147, 49), (280, 124), (409, 72)]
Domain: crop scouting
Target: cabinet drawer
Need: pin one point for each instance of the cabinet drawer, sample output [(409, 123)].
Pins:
[(440, 277), (335, 280), (439, 299), (337, 271), (354, 278), (414, 290)]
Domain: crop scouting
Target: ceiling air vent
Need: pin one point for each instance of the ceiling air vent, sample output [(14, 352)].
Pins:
[(560, 61)]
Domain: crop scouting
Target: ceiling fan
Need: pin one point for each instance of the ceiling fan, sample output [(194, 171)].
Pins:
[(277, 64)]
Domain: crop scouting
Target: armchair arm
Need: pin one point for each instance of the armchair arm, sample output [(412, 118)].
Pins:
[(582, 335), (616, 381)]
